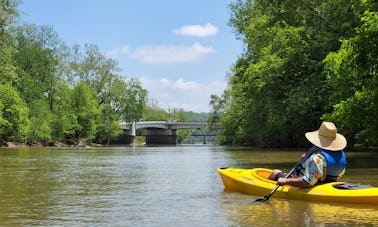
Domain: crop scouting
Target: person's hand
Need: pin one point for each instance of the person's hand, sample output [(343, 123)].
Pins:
[(281, 181)]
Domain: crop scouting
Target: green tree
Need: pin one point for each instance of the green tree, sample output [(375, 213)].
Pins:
[(153, 112), (66, 90), (84, 112), (40, 121), (7, 69), (38, 57), (353, 75), (278, 89), (63, 119), (14, 115), (133, 100), (108, 125), (8, 14), (218, 105), (94, 68), (126, 97)]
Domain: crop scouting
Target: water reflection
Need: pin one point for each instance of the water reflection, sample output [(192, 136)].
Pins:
[(242, 211)]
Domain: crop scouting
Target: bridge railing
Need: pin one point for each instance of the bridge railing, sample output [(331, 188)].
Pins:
[(163, 124)]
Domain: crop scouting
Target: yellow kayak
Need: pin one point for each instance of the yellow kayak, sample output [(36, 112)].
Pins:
[(255, 182)]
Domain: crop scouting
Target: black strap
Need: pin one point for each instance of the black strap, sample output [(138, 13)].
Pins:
[(330, 179), (351, 186)]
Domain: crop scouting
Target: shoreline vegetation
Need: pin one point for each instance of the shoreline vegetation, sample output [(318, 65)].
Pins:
[(76, 95), (48, 144), (304, 62), (75, 144)]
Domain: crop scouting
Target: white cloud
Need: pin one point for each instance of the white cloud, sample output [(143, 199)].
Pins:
[(124, 50), (189, 95), (169, 54), (180, 84), (163, 53), (197, 30)]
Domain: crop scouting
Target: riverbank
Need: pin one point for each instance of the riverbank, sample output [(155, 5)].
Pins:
[(138, 141), (48, 144)]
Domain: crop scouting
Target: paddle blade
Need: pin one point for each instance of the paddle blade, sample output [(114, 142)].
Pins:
[(263, 200)]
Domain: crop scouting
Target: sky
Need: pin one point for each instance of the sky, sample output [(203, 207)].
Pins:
[(181, 51)]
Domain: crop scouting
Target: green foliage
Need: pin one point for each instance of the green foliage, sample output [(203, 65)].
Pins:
[(108, 125), (40, 121), (37, 57), (126, 97), (133, 100), (278, 89), (84, 112), (62, 120), (7, 69), (52, 92), (218, 105), (154, 113), (353, 75), (192, 116), (14, 115)]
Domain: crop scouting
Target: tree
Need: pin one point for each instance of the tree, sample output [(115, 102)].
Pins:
[(84, 113), (133, 101), (353, 75), (153, 112), (219, 105), (38, 58), (126, 97), (7, 69), (14, 115), (63, 119), (108, 125), (61, 92), (94, 68), (278, 89), (8, 13), (40, 121)]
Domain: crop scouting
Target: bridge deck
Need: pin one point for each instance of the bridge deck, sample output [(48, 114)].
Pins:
[(163, 125)]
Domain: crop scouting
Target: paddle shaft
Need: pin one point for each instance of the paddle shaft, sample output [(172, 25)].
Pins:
[(308, 154)]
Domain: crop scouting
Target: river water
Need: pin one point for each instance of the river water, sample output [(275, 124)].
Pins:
[(160, 186)]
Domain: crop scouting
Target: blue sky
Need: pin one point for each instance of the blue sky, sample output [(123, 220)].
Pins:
[(181, 51)]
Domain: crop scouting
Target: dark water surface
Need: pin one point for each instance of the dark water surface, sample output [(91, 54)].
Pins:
[(160, 186)]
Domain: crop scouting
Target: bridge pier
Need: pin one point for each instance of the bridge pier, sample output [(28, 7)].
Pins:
[(204, 136), (124, 138), (160, 136)]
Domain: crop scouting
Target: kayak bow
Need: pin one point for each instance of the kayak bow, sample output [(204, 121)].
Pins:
[(255, 182)]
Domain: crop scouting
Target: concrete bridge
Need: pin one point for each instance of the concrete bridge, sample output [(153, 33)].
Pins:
[(161, 132)]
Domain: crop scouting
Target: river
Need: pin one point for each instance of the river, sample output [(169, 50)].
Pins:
[(160, 186)]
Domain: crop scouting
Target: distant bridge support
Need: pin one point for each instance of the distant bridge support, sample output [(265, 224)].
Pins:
[(204, 136), (124, 138), (128, 135), (161, 136)]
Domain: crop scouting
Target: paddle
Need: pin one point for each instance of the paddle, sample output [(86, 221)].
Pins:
[(308, 154)]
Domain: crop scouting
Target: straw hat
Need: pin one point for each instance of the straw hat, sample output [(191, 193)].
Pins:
[(327, 137)]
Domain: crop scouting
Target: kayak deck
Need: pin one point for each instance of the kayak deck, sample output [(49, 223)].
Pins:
[(255, 182)]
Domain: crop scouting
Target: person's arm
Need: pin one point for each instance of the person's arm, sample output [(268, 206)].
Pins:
[(296, 182)]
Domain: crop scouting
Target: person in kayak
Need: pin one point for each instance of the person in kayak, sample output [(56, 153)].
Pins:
[(326, 161)]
